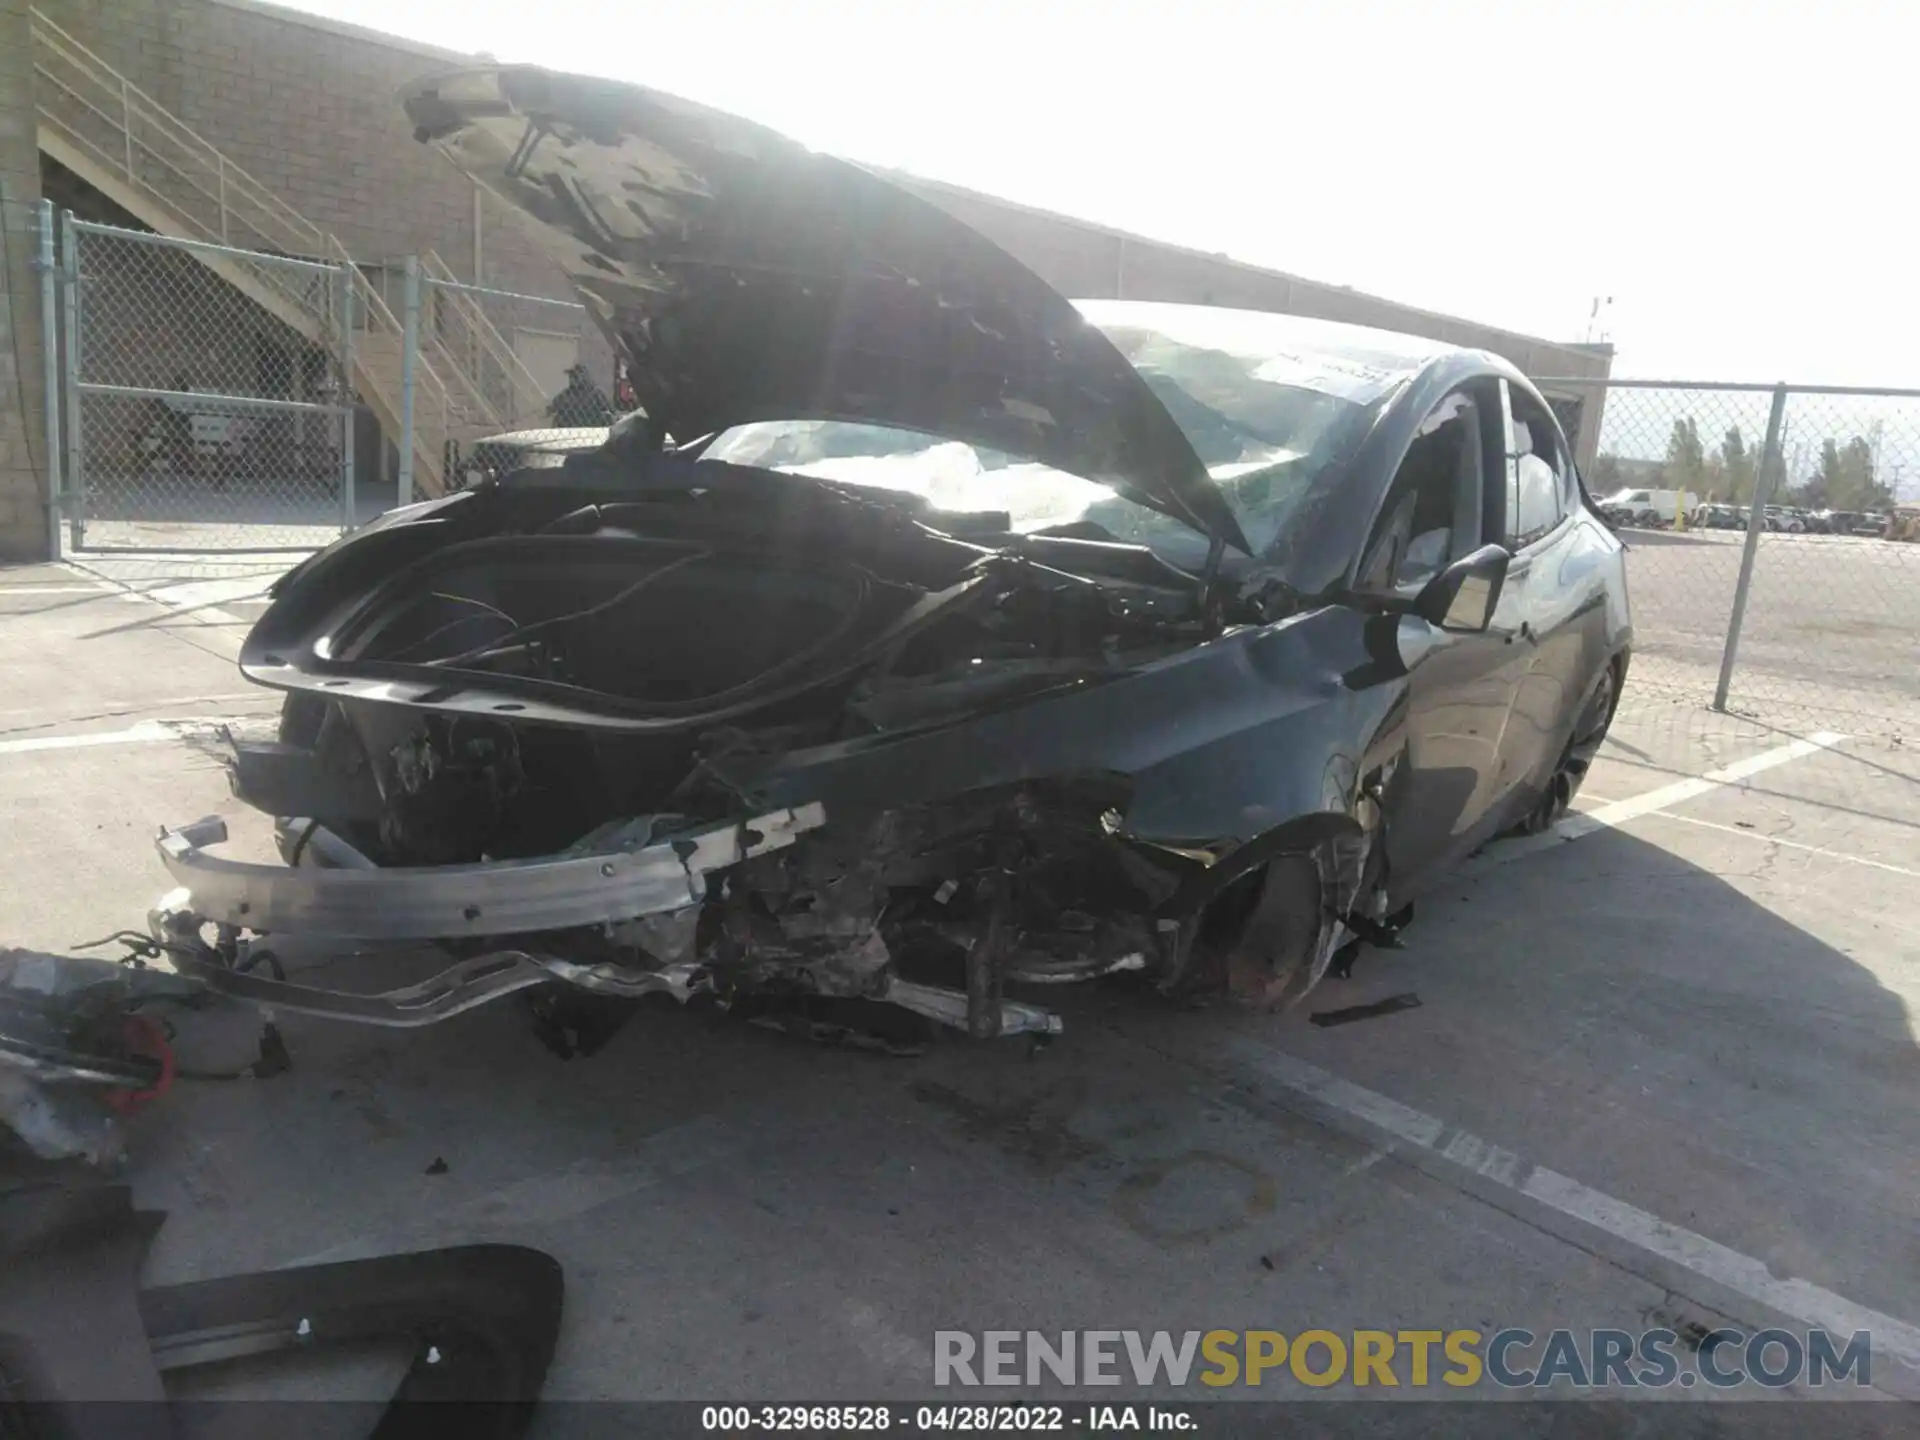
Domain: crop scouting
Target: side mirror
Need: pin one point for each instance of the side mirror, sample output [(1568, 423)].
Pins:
[(1462, 598)]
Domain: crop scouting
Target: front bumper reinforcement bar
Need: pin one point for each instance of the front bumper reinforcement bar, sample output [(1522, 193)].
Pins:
[(445, 902), (341, 895)]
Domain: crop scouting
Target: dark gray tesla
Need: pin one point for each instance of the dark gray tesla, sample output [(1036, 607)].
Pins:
[(929, 637)]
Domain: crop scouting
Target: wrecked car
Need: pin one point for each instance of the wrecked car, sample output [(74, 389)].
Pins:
[(925, 638)]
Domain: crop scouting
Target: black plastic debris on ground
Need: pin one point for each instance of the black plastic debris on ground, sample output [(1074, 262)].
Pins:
[(1393, 1003), (481, 1322)]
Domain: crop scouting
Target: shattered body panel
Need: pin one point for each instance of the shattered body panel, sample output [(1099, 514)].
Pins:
[(761, 715)]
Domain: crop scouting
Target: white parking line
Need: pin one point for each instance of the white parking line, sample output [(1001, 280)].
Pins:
[(54, 590), (1606, 817), (1742, 1274), (1767, 839), (121, 705), (144, 733), (1667, 796)]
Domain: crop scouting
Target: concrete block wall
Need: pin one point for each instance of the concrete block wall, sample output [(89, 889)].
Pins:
[(309, 109), (23, 436)]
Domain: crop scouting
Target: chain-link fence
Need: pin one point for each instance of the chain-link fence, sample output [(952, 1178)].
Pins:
[(533, 377), (208, 395), (218, 399), (1806, 490)]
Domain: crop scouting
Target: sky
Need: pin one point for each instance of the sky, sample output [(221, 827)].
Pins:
[(1734, 174)]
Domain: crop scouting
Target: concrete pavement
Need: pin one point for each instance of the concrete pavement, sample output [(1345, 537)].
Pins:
[(1660, 1074)]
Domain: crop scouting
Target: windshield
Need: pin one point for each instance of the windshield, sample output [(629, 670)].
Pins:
[(1267, 423), (953, 476)]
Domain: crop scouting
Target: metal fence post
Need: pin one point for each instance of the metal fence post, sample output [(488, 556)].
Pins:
[(1771, 464), (126, 123), (409, 349), (348, 509), (76, 467), (50, 374)]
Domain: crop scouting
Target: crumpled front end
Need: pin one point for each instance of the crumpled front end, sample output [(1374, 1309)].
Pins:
[(934, 909), (946, 908)]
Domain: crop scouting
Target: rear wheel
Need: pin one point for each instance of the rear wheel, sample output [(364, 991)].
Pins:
[(1589, 731)]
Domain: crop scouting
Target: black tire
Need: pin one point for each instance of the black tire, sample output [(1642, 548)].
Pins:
[(1583, 743)]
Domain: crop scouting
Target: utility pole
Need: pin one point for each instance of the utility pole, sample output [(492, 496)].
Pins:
[(1593, 317)]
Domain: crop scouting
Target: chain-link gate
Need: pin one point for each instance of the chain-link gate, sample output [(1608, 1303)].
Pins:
[(532, 377), (209, 395), (1773, 543)]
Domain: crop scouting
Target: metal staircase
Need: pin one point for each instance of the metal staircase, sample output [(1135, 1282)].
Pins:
[(475, 347), (126, 145)]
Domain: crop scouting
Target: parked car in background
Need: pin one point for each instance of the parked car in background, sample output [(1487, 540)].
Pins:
[(1786, 520), (1843, 522), (1718, 517), (1641, 507), (187, 433)]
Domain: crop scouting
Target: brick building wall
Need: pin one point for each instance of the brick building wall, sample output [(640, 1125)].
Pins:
[(311, 112), (23, 437), (309, 108)]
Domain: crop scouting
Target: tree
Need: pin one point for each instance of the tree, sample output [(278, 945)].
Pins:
[(1606, 477), (1859, 488), (1844, 478), (1686, 464), (1737, 467)]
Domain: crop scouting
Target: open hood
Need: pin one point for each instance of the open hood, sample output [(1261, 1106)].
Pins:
[(747, 278)]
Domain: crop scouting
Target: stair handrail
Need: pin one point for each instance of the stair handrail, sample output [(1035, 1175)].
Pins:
[(232, 182), (70, 68)]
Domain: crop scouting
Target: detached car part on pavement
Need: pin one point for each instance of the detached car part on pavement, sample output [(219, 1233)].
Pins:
[(965, 639), (480, 1322)]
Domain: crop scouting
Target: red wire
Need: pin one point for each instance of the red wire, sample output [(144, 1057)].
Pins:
[(144, 1035)]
